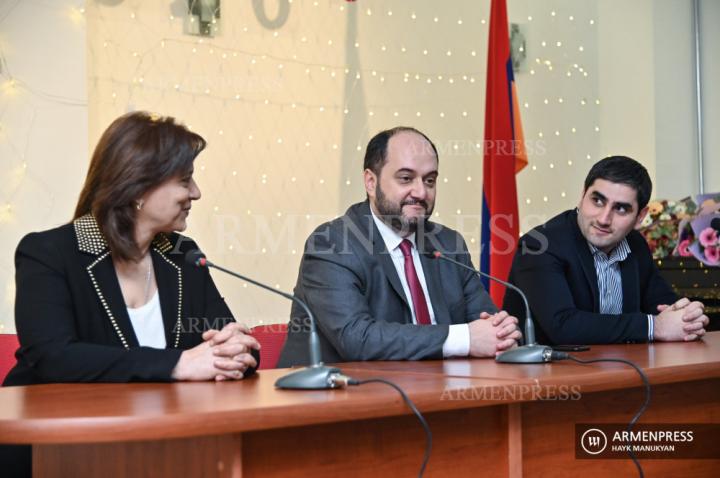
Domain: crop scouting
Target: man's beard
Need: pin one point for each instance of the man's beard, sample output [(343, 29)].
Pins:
[(392, 215)]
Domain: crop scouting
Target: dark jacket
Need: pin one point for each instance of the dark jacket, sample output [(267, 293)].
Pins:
[(71, 319), (553, 265)]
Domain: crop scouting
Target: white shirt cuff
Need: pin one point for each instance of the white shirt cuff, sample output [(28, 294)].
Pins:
[(457, 343)]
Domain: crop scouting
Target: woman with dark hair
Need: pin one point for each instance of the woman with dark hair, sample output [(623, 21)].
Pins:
[(109, 297)]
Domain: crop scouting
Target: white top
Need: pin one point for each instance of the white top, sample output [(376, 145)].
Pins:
[(148, 324), (457, 343)]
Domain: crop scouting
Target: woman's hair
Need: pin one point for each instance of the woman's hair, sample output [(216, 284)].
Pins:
[(137, 153)]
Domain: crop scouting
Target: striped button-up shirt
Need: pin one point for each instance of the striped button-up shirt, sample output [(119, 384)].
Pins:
[(609, 277)]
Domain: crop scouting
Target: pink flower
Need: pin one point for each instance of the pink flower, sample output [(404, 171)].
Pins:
[(708, 237), (712, 254), (683, 248)]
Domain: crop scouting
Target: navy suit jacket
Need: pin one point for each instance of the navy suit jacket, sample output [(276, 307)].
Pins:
[(71, 319), (350, 283), (553, 265)]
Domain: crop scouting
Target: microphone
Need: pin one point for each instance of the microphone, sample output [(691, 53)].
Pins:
[(531, 352), (317, 375)]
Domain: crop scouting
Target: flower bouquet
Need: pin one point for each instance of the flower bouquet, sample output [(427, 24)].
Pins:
[(697, 236), (660, 225)]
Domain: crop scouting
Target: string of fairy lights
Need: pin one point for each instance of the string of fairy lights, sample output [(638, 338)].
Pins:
[(313, 58), (222, 54), (334, 70)]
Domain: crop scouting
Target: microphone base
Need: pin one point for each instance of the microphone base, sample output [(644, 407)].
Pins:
[(534, 353), (315, 377)]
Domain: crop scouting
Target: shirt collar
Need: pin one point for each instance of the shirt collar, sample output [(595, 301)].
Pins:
[(618, 254), (391, 238)]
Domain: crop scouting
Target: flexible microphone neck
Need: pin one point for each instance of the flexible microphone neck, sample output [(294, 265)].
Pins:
[(529, 325), (197, 258)]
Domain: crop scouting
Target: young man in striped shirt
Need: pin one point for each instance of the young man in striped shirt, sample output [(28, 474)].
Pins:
[(589, 275)]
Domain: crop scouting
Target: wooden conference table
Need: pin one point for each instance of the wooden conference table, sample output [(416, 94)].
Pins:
[(487, 419)]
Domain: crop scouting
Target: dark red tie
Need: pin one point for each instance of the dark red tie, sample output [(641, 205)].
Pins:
[(422, 315)]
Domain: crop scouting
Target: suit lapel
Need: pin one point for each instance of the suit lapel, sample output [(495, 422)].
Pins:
[(586, 261), (431, 269), (361, 216), (105, 282), (630, 284), (383, 256), (169, 282)]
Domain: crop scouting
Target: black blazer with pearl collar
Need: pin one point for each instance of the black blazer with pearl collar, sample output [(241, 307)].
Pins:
[(71, 319)]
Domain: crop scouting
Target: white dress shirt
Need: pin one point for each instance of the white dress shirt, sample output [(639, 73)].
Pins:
[(457, 343)]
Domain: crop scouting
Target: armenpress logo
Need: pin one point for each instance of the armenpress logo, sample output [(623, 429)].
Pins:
[(593, 441)]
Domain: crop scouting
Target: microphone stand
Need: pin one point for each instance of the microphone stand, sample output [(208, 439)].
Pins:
[(317, 375), (531, 352)]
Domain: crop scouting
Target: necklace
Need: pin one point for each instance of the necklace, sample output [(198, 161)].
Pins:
[(148, 274), (127, 277)]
